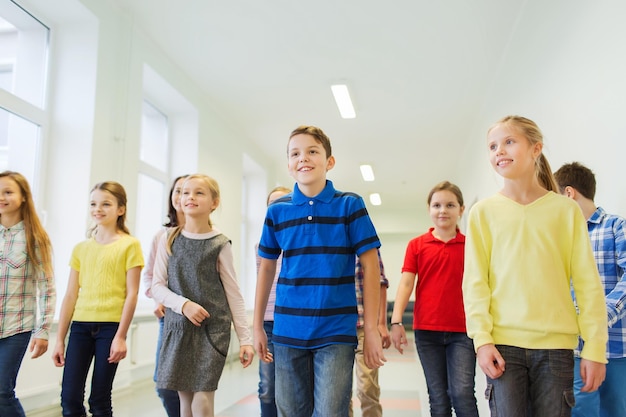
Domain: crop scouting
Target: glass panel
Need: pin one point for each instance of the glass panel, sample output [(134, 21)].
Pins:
[(19, 140), (154, 137), (23, 53)]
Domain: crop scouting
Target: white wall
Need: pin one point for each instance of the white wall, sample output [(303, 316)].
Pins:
[(565, 70)]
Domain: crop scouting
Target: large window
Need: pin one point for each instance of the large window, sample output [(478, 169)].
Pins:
[(23, 67)]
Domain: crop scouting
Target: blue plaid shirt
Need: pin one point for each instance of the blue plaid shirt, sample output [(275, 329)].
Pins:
[(608, 240)]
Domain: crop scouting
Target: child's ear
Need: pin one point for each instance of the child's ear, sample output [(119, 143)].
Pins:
[(330, 163)]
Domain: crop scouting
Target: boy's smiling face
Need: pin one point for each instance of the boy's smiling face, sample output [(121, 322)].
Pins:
[(307, 162)]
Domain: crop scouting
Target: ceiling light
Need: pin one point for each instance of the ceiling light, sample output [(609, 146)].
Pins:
[(367, 172), (342, 98), (375, 199)]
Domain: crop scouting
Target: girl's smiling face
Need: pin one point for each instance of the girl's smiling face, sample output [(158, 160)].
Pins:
[(104, 208)]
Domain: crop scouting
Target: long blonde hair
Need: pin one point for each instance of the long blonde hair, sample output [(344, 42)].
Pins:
[(38, 245), (533, 134), (214, 189)]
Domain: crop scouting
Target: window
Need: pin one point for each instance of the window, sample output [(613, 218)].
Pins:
[(23, 69), (23, 54)]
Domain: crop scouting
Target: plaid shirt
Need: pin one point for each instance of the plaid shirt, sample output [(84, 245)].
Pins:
[(21, 286), (358, 283), (608, 240)]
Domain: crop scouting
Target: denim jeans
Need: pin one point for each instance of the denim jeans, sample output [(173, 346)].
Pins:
[(313, 382), (609, 400), (87, 341), (449, 364), (169, 398), (12, 350), (536, 383), (266, 377)]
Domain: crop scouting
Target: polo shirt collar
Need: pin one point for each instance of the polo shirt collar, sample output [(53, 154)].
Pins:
[(325, 196), (597, 216), (459, 238)]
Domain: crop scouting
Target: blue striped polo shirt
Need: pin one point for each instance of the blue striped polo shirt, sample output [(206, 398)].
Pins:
[(319, 238)]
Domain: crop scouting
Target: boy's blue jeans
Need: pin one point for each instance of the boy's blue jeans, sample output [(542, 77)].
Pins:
[(267, 377), (314, 382), (609, 400), (169, 398), (12, 350), (449, 364), (88, 340), (536, 383)]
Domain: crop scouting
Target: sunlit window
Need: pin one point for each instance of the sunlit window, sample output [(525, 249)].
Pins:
[(23, 54), (154, 137)]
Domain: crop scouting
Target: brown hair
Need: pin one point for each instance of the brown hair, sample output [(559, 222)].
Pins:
[(317, 133), (578, 176), (214, 189), (38, 245), (119, 193), (446, 186), (171, 211), (532, 133)]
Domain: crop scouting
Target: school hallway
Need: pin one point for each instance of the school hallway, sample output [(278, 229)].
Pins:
[(402, 383)]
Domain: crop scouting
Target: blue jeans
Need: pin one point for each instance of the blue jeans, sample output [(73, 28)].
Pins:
[(12, 350), (449, 364), (267, 378), (169, 398), (88, 340), (536, 383), (609, 400), (313, 382)]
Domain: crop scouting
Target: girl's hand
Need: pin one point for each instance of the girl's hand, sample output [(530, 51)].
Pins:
[(490, 361), (58, 354), (592, 374), (38, 347), (118, 350), (398, 337), (246, 354), (159, 311), (195, 313)]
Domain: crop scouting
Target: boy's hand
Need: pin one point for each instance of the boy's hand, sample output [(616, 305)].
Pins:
[(373, 350), (490, 361), (260, 344), (592, 374), (195, 312), (384, 335)]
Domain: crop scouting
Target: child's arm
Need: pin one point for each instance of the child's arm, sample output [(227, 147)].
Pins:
[(265, 279), (405, 288), (160, 290), (65, 317), (382, 318), (616, 299), (236, 304), (118, 346), (46, 295), (372, 345)]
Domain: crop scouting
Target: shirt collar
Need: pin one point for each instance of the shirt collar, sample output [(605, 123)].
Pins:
[(459, 238), (15, 228), (597, 216), (325, 196)]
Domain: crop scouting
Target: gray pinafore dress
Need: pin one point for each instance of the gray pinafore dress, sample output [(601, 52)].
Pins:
[(192, 358)]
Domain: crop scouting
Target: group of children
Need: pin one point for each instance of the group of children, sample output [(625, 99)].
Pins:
[(516, 295)]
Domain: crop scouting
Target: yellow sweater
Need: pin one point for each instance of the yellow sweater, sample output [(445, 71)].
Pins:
[(102, 277), (519, 260)]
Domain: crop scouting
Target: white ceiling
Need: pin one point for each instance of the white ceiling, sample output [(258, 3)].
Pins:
[(418, 72)]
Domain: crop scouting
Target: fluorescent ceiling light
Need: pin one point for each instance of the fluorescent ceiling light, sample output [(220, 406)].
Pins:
[(375, 199), (367, 172), (342, 98)]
